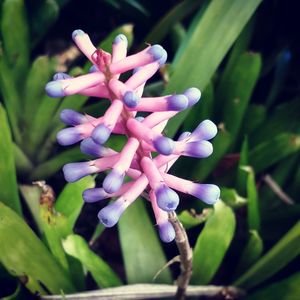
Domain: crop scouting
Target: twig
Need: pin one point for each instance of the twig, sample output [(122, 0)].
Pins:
[(168, 264), (153, 291), (274, 186), (186, 256)]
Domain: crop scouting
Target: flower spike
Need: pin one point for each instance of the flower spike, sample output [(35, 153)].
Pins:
[(144, 135)]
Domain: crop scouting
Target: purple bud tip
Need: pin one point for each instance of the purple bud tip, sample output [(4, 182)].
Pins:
[(193, 95), (206, 130), (61, 76), (89, 147), (166, 232), (136, 69), (140, 119), (68, 136), (113, 181), (131, 99), (184, 135), (200, 149), (178, 102), (78, 32), (121, 38), (72, 117), (75, 171), (164, 145), (110, 215), (101, 134), (93, 69), (94, 195), (157, 52), (167, 199), (163, 59), (54, 89), (208, 193)]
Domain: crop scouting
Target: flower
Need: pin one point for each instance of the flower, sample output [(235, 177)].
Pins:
[(144, 134)]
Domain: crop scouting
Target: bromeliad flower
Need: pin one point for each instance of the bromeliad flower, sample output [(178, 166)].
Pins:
[(144, 135)]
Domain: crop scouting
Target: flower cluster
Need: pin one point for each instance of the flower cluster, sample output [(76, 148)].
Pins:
[(144, 134)]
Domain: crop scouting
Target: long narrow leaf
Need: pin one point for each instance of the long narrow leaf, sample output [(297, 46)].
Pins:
[(207, 46), (8, 177), (213, 243)]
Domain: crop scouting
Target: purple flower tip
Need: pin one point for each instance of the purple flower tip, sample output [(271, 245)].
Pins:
[(157, 52), (120, 38), (101, 134), (167, 199), (206, 130), (93, 69), (184, 135), (113, 181), (54, 89), (164, 145), (178, 102), (110, 215), (200, 149), (131, 99), (75, 171), (140, 119), (68, 136), (193, 94), (77, 32), (94, 195), (163, 58), (208, 193), (166, 232), (89, 147), (72, 117), (61, 76)]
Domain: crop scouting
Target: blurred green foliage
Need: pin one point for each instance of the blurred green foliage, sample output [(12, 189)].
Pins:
[(249, 239)]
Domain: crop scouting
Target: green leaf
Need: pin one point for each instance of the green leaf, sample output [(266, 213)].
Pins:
[(142, 252), (23, 163), (32, 194), (70, 202), (10, 97), (97, 233), (207, 45), (8, 178), (23, 254), (236, 89), (253, 212), (254, 118), (286, 289), (213, 243), (231, 198), (285, 118), (241, 179), (54, 164), (176, 14), (37, 78), (278, 257), (273, 150), (191, 219), (15, 37), (102, 273), (204, 167), (178, 34), (251, 253), (44, 14)]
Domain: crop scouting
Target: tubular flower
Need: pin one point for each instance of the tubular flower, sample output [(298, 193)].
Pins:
[(144, 135)]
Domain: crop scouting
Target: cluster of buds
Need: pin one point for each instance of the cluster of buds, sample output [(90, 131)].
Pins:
[(144, 134)]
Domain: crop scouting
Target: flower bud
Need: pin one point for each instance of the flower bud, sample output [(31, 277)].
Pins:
[(167, 199), (113, 181), (208, 193), (54, 89), (200, 149), (110, 215), (206, 130), (101, 134), (166, 232), (164, 145), (68, 136), (193, 95), (61, 76), (75, 171), (89, 147), (72, 117), (94, 195), (131, 99)]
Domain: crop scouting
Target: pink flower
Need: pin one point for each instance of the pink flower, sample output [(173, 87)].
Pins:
[(144, 134)]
